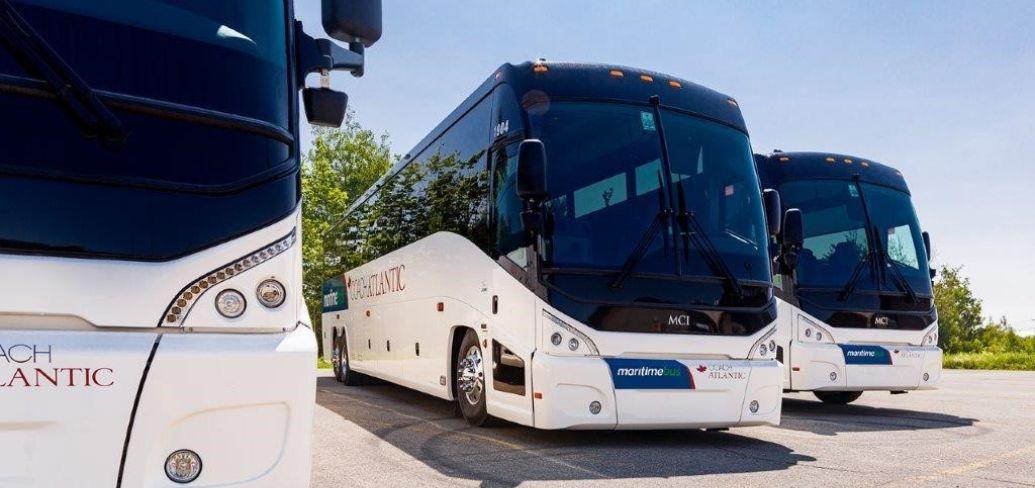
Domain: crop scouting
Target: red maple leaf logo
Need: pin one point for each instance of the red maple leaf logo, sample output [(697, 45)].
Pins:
[(702, 368)]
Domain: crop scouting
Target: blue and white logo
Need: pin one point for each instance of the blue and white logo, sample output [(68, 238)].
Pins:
[(856, 354), (649, 374)]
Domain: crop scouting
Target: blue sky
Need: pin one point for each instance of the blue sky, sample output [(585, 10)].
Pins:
[(944, 91)]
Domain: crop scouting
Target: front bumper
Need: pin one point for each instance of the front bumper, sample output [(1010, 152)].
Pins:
[(857, 367), (243, 402), (684, 394)]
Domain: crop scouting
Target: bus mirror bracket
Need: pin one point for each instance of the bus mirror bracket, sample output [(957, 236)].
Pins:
[(793, 238), (324, 106), (773, 219)]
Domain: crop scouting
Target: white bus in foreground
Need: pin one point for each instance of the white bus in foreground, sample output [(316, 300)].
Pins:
[(575, 246), (152, 327), (856, 307)]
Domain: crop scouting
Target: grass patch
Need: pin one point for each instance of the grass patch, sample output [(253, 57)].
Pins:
[(322, 363), (990, 360)]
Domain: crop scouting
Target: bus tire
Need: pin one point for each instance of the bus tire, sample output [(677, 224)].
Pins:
[(470, 381), (343, 372), (838, 397)]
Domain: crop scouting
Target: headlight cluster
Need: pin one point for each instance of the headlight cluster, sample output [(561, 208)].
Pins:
[(231, 303), (564, 340), (764, 347), (931, 339), (810, 331)]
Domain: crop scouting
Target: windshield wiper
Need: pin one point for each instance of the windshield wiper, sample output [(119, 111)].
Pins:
[(661, 220), (92, 116), (703, 243), (853, 280)]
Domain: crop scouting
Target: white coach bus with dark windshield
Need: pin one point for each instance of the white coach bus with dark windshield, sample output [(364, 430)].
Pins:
[(856, 306), (575, 246), (152, 327)]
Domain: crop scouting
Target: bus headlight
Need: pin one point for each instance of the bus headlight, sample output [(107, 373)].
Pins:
[(764, 347), (566, 340), (810, 331), (270, 293), (230, 303), (931, 339)]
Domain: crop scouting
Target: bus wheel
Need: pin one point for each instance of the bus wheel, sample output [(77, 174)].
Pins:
[(838, 397), (470, 380), (345, 374)]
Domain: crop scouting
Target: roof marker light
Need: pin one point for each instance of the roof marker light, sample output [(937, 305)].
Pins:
[(848, 161), (646, 79), (674, 84), (830, 159), (732, 102), (784, 159), (865, 164), (617, 73)]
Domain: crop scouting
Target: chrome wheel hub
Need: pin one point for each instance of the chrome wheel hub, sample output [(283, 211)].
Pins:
[(470, 375)]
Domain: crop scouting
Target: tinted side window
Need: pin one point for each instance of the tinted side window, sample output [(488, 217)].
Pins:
[(444, 188)]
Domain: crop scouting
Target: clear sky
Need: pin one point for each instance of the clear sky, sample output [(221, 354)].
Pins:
[(942, 90)]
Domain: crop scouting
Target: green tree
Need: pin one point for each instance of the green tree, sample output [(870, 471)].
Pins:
[(959, 311), (339, 167)]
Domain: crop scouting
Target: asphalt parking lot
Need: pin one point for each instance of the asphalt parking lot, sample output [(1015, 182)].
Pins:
[(977, 430)]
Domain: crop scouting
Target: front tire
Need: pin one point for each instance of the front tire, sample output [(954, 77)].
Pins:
[(838, 397), (470, 381)]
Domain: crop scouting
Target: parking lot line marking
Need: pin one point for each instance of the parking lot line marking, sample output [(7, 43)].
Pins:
[(971, 466), (472, 435)]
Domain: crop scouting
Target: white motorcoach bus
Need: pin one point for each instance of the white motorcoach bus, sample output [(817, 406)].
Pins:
[(856, 307), (575, 246), (152, 327)]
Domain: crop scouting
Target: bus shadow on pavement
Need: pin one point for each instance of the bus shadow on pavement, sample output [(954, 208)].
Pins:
[(428, 429), (823, 419)]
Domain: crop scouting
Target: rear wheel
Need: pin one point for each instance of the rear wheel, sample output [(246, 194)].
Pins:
[(470, 381), (838, 397), (343, 372)]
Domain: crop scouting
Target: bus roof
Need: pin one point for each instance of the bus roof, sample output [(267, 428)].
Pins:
[(779, 167), (564, 80)]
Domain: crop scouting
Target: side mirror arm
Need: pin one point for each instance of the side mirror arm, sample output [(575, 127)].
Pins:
[(323, 56)]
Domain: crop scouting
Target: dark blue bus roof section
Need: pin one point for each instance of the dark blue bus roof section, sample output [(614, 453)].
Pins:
[(780, 167), (584, 81)]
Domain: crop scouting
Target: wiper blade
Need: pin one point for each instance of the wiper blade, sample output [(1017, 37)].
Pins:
[(660, 219), (703, 243), (849, 286), (92, 116), (900, 279)]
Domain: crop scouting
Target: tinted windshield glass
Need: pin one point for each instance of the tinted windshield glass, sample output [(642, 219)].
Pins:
[(604, 178), (836, 238), (176, 184), (226, 55)]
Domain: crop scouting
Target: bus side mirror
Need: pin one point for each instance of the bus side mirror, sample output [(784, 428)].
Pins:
[(771, 200), (352, 21), (531, 182), (324, 107), (927, 249), (793, 238)]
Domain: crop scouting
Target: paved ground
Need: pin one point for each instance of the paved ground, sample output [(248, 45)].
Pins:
[(978, 430)]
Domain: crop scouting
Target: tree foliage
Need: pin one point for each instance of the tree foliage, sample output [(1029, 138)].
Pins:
[(961, 326), (339, 167)]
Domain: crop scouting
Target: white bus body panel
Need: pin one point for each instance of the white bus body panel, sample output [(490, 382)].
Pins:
[(242, 401), (389, 307), (824, 365)]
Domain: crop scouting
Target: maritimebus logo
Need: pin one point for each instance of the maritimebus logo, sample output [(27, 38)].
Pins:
[(649, 374)]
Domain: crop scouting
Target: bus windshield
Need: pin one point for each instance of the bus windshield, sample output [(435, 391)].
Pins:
[(605, 176), (836, 240), (203, 92)]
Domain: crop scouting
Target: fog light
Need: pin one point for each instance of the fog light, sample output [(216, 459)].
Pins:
[(819, 336), (270, 293), (808, 332), (926, 376), (183, 466), (573, 344), (230, 303), (556, 338), (772, 345), (833, 376), (753, 406), (762, 349), (594, 407)]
